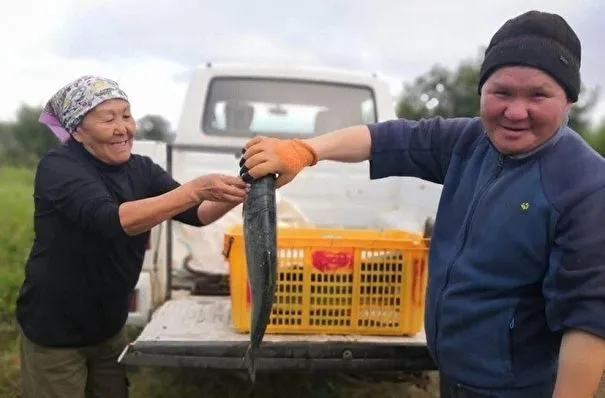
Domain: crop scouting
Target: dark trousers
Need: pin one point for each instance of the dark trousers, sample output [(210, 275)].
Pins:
[(86, 372), (450, 389)]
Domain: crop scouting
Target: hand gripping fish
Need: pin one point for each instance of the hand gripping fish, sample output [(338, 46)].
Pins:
[(260, 239)]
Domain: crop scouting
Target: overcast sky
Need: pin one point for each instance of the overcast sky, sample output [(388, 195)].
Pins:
[(150, 46)]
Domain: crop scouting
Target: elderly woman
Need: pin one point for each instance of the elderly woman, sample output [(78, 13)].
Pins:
[(95, 203), (516, 292)]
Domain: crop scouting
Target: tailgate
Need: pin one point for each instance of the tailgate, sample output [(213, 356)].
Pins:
[(196, 332)]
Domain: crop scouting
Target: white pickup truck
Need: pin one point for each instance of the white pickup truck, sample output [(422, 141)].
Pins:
[(182, 298)]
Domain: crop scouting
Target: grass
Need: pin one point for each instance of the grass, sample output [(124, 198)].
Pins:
[(15, 232), (152, 383), (16, 235)]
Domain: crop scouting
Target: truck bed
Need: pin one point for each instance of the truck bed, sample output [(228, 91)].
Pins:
[(196, 332)]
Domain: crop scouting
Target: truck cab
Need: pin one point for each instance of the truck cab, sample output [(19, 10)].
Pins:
[(182, 298)]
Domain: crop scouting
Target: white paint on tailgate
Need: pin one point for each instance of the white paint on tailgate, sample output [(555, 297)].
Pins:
[(207, 319)]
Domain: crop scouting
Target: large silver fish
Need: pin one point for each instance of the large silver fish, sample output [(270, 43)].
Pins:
[(260, 240)]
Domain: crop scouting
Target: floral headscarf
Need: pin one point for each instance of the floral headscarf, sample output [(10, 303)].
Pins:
[(65, 110)]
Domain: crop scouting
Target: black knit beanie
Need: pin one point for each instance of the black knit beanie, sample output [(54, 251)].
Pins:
[(541, 40)]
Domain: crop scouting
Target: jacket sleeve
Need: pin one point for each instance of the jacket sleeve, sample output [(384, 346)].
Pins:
[(575, 283), (64, 185), (415, 148), (161, 182)]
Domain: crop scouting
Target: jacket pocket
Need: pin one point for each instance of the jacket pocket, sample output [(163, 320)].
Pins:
[(506, 341), (512, 325)]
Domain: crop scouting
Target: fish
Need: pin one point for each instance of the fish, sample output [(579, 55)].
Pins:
[(260, 244)]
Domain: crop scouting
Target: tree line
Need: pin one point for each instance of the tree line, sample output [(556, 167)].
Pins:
[(439, 91)]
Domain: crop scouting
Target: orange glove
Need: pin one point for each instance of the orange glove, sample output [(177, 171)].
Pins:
[(265, 155)]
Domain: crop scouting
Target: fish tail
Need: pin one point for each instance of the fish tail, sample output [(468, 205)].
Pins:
[(249, 360)]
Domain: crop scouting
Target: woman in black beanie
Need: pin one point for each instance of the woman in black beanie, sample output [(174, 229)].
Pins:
[(516, 293)]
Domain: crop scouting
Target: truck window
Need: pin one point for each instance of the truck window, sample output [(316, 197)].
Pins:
[(280, 107)]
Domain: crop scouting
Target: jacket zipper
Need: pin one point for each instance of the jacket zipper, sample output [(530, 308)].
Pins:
[(467, 229)]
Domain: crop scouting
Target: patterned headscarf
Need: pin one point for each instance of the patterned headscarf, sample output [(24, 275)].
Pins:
[(65, 110)]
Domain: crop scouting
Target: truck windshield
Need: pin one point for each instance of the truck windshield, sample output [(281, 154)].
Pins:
[(281, 107)]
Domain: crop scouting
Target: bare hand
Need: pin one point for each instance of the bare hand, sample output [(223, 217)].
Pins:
[(221, 188)]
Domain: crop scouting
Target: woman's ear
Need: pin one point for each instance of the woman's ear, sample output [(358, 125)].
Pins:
[(77, 134)]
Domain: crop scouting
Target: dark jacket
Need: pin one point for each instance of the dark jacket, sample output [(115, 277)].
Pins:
[(82, 266), (518, 249)]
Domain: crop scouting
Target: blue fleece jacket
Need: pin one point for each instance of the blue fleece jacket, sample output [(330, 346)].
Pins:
[(518, 249)]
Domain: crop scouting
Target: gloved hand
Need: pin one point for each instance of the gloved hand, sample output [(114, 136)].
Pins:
[(286, 157)]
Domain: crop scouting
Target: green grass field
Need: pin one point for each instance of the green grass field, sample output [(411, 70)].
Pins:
[(15, 240)]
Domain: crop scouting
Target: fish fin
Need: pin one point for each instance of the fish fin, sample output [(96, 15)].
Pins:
[(249, 360)]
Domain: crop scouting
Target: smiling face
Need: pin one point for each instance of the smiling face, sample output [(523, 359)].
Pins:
[(107, 131), (521, 108)]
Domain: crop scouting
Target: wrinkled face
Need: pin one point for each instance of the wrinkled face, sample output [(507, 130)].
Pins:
[(107, 131), (521, 108)]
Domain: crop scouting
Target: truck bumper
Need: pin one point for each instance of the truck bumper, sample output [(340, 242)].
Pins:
[(280, 356)]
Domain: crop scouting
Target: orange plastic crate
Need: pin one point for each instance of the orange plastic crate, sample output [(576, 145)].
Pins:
[(337, 281)]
